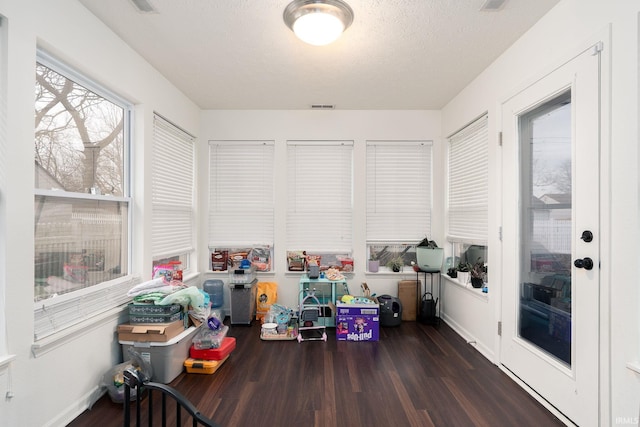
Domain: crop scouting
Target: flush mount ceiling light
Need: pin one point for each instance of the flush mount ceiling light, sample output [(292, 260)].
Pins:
[(318, 22)]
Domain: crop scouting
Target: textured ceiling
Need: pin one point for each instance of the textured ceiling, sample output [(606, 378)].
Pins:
[(398, 54)]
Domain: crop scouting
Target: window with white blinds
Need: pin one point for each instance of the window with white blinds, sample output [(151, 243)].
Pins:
[(82, 210), (241, 193), (468, 184), (319, 196), (173, 189), (399, 186)]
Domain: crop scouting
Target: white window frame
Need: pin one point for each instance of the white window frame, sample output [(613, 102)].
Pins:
[(320, 196), (57, 320), (5, 358), (468, 186), (399, 196), (241, 195), (173, 193)]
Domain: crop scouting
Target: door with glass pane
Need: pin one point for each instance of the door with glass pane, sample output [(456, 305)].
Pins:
[(551, 237)]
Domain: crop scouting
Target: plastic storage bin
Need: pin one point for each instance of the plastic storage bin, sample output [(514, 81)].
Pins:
[(206, 338), (215, 289), (241, 276), (166, 358), (195, 366), (243, 302), (228, 345)]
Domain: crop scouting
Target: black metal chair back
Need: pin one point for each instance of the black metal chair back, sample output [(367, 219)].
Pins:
[(134, 380)]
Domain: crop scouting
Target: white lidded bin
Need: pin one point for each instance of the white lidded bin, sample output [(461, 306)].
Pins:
[(166, 358)]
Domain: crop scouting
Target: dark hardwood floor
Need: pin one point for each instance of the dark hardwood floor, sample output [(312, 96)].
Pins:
[(416, 375)]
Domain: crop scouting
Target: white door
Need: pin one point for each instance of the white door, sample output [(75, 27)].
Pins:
[(551, 238)]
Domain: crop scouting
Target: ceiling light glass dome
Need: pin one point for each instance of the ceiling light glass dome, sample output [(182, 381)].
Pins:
[(318, 22)]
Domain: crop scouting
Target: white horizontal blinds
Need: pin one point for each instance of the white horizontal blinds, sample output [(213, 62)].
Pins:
[(468, 184), (319, 195), (241, 193), (398, 191), (173, 189), (51, 316)]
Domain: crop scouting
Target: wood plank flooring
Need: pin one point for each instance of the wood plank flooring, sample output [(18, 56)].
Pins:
[(416, 375)]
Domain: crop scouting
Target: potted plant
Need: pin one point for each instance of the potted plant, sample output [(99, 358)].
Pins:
[(477, 274), (452, 272), (396, 264), (429, 256), (374, 262), (463, 270)]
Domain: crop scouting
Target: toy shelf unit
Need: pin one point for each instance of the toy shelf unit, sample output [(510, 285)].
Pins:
[(312, 324), (326, 291)]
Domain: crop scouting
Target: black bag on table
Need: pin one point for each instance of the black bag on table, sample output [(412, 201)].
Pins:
[(428, 313)]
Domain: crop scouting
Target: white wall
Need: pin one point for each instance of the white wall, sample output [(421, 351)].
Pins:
[(358, 126), (55, 387), (557, 37)]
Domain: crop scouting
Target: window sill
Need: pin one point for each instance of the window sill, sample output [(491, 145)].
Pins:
[(298, 274), (5, 361), (476, 292), (58, 339), (392, 273), (226, 273)]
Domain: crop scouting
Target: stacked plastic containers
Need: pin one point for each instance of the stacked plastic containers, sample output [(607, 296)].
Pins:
[(209, 350)]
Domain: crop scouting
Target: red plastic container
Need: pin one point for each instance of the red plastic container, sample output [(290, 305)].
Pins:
[(228, 345)]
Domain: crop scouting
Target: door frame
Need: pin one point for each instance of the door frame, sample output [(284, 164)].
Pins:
[(602, 39)]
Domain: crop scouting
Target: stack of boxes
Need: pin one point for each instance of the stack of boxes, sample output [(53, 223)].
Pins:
[(161, 335)]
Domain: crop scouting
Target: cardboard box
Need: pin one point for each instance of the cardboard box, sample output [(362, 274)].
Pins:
[(161, 332), (357, 322), (408, 296)]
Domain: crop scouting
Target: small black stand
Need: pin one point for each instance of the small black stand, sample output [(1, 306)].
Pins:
[(435, 320)]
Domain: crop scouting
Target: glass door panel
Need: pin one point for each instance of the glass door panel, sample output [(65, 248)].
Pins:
[(546, 220)]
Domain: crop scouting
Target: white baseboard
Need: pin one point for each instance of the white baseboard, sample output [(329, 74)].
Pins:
[(78, 407), (471, 340), (537, 397)]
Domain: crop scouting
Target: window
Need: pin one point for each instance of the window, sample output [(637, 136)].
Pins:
[(398, 198), (319, 196), (173, 209), (241, 198), (467, 209), (82, 204)]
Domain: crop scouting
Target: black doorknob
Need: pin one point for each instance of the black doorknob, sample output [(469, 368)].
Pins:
[(586, 263), (587, 236)]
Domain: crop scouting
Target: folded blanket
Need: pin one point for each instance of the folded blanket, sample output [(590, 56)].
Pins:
[(190, 296), (146, 286), (150, 297)]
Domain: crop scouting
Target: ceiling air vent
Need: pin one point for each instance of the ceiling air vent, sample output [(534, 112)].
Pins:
[(322, 107), (143, 6), (492, 5)]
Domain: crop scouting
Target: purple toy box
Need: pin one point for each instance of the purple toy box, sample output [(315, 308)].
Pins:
[(357, 322)]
